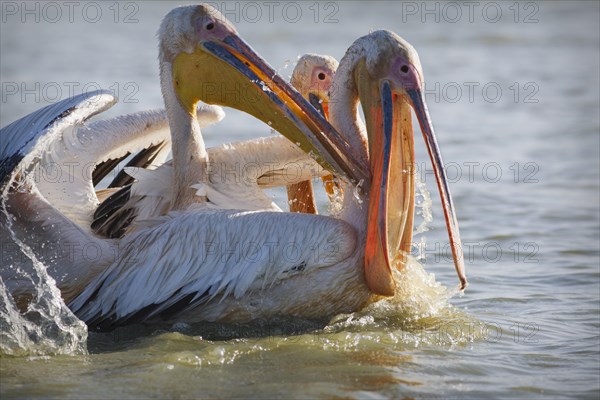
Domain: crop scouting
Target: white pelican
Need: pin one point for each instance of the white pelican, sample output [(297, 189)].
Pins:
[(312, 77), (236, 267), (228, 187), (201, 58)]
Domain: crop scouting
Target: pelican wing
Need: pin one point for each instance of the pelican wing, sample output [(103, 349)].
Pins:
[(112, 140), (28, 137), (144, 159), (46, 164), (194, 258), (24, 145), (238, 173), (63, 152)]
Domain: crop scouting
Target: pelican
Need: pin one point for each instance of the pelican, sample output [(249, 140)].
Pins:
[(312, 77), (227, 187), (246, 270), (202, 58)]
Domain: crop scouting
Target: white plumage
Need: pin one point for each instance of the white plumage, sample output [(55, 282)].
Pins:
[(67, 162), (206, 257)]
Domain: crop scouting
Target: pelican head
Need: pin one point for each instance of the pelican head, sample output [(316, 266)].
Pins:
[(313, 77), (390, 82), (203, 59)]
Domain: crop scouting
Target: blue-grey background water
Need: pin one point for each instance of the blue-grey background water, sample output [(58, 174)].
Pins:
[(513, 89)]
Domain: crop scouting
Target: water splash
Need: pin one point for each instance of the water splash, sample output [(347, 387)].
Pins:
[(357, 192), (423, 205), (283, 69), (40, 330), (47, 326), (419, 313), (336, 204)]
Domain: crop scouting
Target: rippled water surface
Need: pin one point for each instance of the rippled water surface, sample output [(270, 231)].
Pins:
[(516, 107)]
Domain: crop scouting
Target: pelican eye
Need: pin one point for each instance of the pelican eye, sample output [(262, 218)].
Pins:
[(321, 76), (404, 68), (210, 26)]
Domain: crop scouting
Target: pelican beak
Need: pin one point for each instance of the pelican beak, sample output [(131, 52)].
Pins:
[(233, 75), (391, 198), (322, 105), (418, 102)]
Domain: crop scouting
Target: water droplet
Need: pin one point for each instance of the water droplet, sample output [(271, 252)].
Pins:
[(357, 192)]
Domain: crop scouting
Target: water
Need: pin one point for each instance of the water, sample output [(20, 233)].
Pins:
[(524, 166)]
